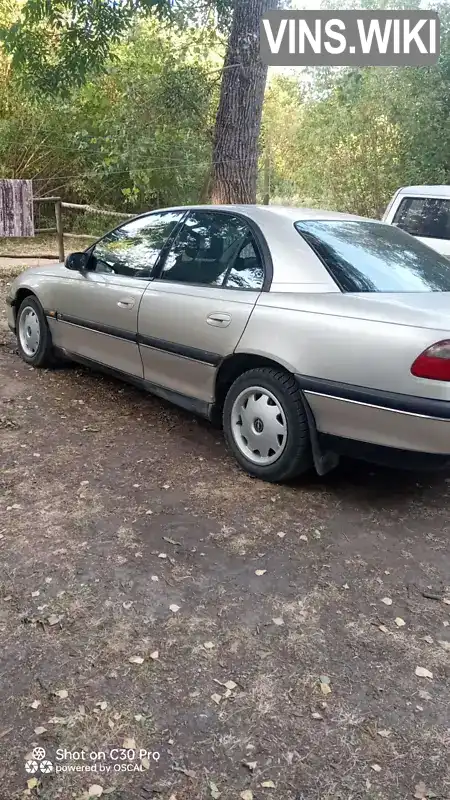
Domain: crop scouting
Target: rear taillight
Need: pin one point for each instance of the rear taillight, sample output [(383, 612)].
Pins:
[(434, 363)]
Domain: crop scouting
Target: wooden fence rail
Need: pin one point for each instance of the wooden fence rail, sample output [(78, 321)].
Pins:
[(60, 205)]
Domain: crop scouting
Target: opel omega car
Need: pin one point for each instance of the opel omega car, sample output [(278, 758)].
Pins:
[(307, 333)]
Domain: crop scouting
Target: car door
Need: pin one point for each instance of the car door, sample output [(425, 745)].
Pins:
[(97, 310), (195, 311)]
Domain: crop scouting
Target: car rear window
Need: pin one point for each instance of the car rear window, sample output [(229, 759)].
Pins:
[(372, 257)]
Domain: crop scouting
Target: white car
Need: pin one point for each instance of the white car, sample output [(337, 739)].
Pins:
[(424, 212)]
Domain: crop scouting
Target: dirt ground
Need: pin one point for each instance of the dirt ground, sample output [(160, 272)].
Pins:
[(15, 254), (264, 640)]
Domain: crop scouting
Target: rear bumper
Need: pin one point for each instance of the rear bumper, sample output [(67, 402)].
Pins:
[(386, 420)]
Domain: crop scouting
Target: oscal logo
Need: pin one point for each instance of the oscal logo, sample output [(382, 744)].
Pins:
[(38, 762)]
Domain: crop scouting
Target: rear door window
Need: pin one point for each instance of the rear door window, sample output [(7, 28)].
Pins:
[(372, 257), (424, 216)]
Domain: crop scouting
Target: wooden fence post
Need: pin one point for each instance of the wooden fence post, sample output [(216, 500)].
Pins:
[(59, 229)]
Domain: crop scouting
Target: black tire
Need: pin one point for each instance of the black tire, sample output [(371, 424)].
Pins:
[(44, 355), (296, 456)]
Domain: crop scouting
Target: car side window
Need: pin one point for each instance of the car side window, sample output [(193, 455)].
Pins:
[(133, 249), (210, 251), (424, 216), (247, 271)]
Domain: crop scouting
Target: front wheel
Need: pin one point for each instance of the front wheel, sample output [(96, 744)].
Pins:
[(265, 425), (33, 335)]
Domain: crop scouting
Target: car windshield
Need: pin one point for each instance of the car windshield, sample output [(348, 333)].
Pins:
[(371, 257)]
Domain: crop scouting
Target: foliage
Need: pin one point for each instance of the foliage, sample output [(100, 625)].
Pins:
[(137, 136), (58, 44), (354, 136)]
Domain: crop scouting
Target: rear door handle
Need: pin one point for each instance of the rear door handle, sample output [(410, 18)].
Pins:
[(126, 302), (219, 320)]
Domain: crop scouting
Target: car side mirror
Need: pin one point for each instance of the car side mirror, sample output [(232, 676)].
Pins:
[(77, 261)]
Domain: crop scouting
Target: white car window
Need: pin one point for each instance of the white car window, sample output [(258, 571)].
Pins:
[(424, 216)]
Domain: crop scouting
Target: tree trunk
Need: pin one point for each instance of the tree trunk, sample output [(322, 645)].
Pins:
[(238, 122)]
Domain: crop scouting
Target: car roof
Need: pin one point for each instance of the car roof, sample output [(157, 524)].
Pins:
[(437, 191), (258, 212)]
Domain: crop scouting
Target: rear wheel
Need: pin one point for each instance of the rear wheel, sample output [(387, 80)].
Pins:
[(33, 335), (265, 424)]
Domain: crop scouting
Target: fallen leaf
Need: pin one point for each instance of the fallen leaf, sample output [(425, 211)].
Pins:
[(216, 698), (127, 604), (251, 765), (268, 785), (35, 594), (316, 715), (40, 730), (375, 767), (384, 733), (247, 794), (260, 571), (215, 794), (54, 619), (387, 601), (420, 791), (129, 744), (428, 639), (303, 537), (383, 629), (208, 645), (145, 763), (95, 790), (281, 534), (325, 688), (174, 608), (230, 685), (138, 717), (35, 704), (61, 693), (422, 672), (400, 622), (155, 655), (102, 704), (446, 600), (154, 578), (32, 783), (136, 660), (162, 555), (278, 621)]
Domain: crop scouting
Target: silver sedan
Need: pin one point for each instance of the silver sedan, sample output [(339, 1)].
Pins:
[(307, 334)]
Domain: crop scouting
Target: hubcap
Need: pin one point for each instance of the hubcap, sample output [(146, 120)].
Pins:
[(29, 331), (258, 425)]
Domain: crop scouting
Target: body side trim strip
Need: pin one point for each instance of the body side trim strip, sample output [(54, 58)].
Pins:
[(395, 401)]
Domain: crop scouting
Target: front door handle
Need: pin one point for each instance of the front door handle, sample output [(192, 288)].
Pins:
[(219, 320), (126, 302)]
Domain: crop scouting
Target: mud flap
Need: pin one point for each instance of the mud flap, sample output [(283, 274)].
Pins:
[(324, 460)]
